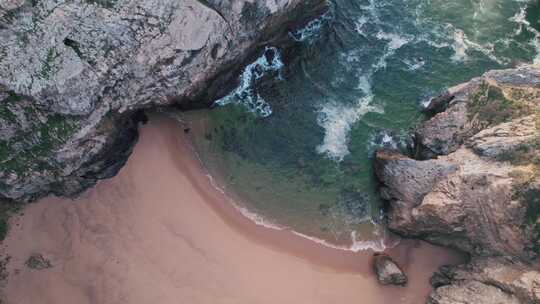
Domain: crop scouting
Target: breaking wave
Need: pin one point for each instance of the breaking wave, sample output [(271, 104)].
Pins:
[(312, 30), (389, 139), (363, 57), (337, 120), (521, 19), (245, 93), (357, 244), (395, 42)]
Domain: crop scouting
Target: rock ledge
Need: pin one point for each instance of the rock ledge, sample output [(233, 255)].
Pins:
[(474, 185)]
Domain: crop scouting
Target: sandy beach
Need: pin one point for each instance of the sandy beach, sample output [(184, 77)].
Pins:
[(160, 233)]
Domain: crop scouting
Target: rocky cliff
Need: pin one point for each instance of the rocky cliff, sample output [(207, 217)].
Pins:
[(73, 74), (473, 184)]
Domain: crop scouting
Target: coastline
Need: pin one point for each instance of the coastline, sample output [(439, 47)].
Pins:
[(161, 232), (197, 126)]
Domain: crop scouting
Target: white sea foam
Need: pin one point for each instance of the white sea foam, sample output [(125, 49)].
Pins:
[(359, 25), (244, 93), (258, 219), (462, 45), (385, 139), (364, 84), (312, 29), (337, 121), (425, 102), (521, 20), (372, 11), (414, 64), (357, 245), (254, 217), (395, 42), (459, 46)]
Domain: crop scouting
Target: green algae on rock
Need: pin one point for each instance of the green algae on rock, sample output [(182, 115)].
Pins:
[(72, 74), (487, 205)]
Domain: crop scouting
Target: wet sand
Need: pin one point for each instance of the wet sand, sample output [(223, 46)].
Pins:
[(160, 233)]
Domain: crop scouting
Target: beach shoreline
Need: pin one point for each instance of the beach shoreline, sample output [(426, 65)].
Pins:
[(160, 232)]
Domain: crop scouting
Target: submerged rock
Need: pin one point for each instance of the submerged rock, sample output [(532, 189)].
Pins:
[(72, 73), (388, 272), (474, 186)]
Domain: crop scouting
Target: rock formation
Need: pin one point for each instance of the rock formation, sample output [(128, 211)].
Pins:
[(487, 280), (473, 184), (387, 271), (73, 73)]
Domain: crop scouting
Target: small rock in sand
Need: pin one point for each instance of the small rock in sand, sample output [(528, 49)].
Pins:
[(38, 262), (388, 272)]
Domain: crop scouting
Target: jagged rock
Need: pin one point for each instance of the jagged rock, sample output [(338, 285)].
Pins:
[(471, 109), (72, 73), (388, 272), (495, 280), (445, 131), (439, 104), (442, 277), (459, 200), (475, 186), (471, 198), (406, 179), (506, 139), (471, 292)]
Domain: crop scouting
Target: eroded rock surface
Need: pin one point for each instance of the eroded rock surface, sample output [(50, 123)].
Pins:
[(388, 272), (474, 185), (73, 72), (493, 280)]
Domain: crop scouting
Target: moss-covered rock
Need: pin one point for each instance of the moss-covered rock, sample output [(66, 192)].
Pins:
[(68, 94)]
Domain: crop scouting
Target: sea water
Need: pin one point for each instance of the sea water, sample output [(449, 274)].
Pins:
[(294, 140)]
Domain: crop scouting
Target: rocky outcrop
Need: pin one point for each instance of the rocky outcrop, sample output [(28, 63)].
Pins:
[(487, 280), (474, 184), (388, 272), (496, 97), (72, 73)]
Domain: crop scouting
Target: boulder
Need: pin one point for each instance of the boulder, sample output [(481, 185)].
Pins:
[(388, 272)]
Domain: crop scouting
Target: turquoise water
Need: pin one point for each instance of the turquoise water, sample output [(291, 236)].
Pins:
[(294, 140)]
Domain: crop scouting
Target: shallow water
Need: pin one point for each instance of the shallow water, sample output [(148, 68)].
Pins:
[(293, 141), (159, 232)]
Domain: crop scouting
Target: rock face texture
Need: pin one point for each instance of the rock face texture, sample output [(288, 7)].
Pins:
[(72, 73), (388, 272), (487, 280), (474, 184)]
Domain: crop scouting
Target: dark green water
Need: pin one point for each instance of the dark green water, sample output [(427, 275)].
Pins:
[(294, 141)]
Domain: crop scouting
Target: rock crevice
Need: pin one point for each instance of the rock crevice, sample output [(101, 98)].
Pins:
[(72, 73), (473, 184)]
